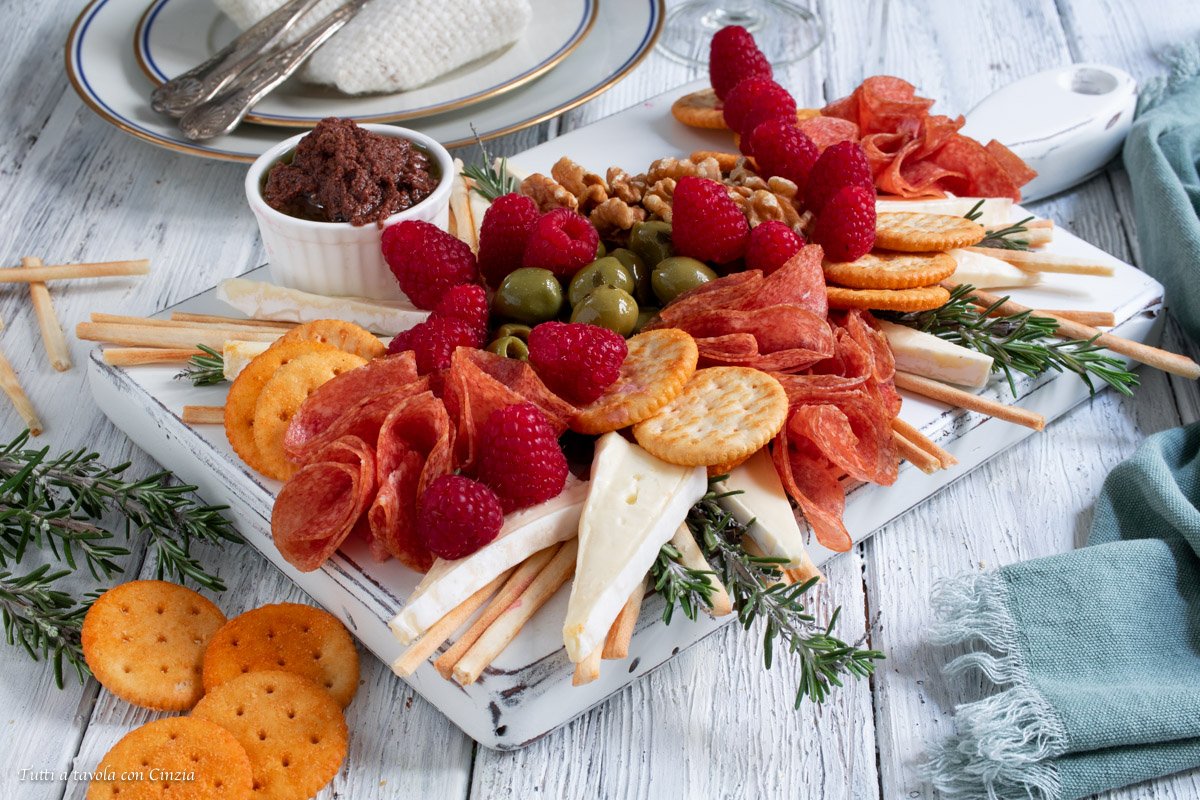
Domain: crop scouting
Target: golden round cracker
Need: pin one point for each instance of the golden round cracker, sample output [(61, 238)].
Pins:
[(723, 414), (337, 333), (177, 758), (914, 232), (243, 396), (729, 466), (886, 270), (291, 637), (282, 395), (702, 109), (144, 641), (920, 299), (293, 731), (654, 371)]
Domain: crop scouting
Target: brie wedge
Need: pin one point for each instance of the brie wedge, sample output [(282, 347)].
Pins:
[(763, 501), (262, 300), (996, 210), (449, 583), (985, 272), (236, 355), (635, 503), (925, 354)]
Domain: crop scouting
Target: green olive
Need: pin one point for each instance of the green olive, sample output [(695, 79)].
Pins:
[(601, 250), (529, 295), (644, 316), (637, 268), (514, 329), (608, 307), (651, 241), (601, 272), (509, 347), (675, 275)]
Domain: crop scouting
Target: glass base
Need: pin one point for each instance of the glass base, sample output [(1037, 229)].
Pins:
[(785, 33)]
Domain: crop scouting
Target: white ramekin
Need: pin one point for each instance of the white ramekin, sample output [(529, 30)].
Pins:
[(337, 258)]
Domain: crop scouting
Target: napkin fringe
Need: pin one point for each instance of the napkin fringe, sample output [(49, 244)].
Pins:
[(1183, 61), (1004, 743)]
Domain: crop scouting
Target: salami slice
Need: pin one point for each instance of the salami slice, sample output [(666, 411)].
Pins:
[(814, 486), (718, 293), (730, 348), (853, 432), (799, 282), (471, 395), (867, 334), (985, 175), (828, 131), (524, 381), (361, 419)]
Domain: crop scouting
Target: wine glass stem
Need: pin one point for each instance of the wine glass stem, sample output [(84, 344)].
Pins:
[(735, 12)]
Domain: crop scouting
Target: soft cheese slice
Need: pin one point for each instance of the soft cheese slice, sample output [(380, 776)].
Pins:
[(635, 504), (985, 272), (262, 300), (925, 354), (764, 501), (996, 210), (449, 583), (236, 355)]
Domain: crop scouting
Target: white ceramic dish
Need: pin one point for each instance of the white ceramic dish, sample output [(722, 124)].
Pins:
[(104, 71), (337, 258)]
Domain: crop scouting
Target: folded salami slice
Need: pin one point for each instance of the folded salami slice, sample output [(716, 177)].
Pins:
[(814, 485), (361, 418), (854, 432), (799, 282), (828, 131), (787, 338), (718, 293)]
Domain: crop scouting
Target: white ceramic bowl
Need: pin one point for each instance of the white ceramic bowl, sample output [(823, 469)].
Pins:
[(337, 258)]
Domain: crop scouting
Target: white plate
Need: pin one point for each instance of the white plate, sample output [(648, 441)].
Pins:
[(166, 45), (105, 72)]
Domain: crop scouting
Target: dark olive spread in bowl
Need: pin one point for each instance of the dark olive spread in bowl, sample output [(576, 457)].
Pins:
[(340, 172)]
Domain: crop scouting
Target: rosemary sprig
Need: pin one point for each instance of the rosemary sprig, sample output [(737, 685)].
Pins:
[(1002, 238), (490, 181), (205, 370), (44, 621), (681, 586), (1021, 342)]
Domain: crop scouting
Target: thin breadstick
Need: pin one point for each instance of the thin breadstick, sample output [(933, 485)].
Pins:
[(138, 356), (203, 415), (751, 547), (183, 316), (1067, 329), (460, 206), (58, 272), (1033, 261), (501, 632), (691, 557), (588, 670), (152, 322), (52, 333), (616, 644), (944, 393), (521, 577), (922, 441), (419, 651), (20, 400), (1040, 223), (926, 462), (150, 336), (1103, 319)]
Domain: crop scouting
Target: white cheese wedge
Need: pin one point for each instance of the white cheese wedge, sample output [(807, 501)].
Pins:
[(261, 300), (764, 501), (996, 210), (925, 354), (449, 583), (985, 272), (635, 504), (236, 355)]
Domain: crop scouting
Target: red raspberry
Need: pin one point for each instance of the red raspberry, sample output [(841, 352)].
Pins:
[(734, 57), (458, 516), (706, 223), (754, 101), (427, 261), (467, 302), (519, 457), (562, 242), (842, 164), (434, 341), (780, 148), (578, 362), (846, 226), (771, 244), (502, 238)]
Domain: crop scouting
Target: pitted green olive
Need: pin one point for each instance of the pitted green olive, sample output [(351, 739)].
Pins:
[(675, 275), (608, 307), (514, 329), (638, 270), (510, 347), (529, 295), (651, 241), (601, 272)]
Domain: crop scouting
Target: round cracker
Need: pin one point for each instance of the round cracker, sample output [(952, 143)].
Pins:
[(243, 396), (921, 299), (345, 336), (723, 414), (915, 232), (702, 109), (291, 637), (656, 368), (144, 641), (293, 731), (282, 395), (724, 469), (184, 758), (885, 270)]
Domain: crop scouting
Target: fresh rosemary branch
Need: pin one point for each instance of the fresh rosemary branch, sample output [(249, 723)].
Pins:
[(1022, 342), (1002, 238), (490, 181), (679, 585), (44, 621), (205, 370)]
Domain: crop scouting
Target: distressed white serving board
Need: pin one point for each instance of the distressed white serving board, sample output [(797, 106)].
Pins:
[(527, 691)]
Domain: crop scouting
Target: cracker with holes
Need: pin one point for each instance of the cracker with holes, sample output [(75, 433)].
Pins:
[(282, 395), (292, 730), (884, 270), (920, 299), (145, 763), (345, 336), (914, 232), (285, 636), (144, 641), (723, 414), (702, 109)]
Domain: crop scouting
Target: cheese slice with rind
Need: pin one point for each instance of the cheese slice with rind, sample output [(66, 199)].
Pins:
[(763, 502), (925, 354), (986, 272)]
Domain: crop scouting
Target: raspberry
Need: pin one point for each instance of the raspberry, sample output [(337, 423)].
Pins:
[(578, 362), (458, 516), (754, 101), (771, 244), (846, 226), (503, 235), (842, 164), (427, 261), (434, 341), (734, 57), (562, 242), (706, 223), (519, 457), (782, 149), (467, 302)]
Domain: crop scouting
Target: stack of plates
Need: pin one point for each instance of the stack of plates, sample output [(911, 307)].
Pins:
[(573, 50)]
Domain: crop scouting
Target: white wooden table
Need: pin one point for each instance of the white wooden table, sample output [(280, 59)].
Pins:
[(710, 723)]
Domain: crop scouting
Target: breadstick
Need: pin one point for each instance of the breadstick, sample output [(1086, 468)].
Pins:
[(417, 653), (691, 557), (203, 415), (58, 272), (150, 336), (751, 547), (52, 333), (137, 356), (120, 319), (587, 670), (183, 316), (806, 571), (616, 644), (922, 441), (1033, 261), (1105, 319), (944, 393), (926, 462), (20, 401)]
